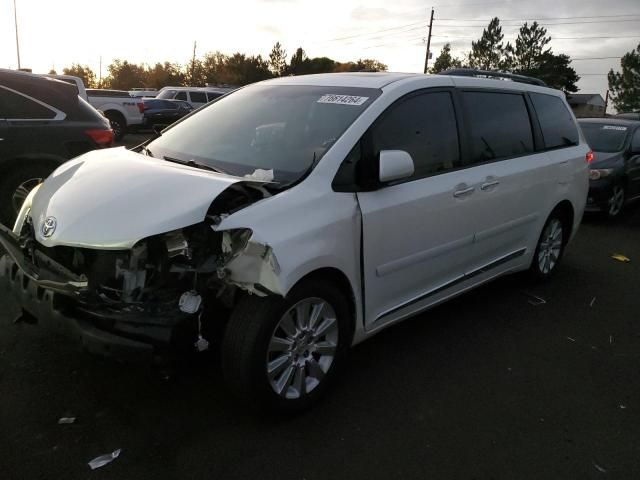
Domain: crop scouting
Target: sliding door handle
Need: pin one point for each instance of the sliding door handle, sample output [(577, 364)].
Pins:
[(463, 192), (488, 185)]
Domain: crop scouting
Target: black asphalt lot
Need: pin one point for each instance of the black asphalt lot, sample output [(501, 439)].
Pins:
[(487, 386)]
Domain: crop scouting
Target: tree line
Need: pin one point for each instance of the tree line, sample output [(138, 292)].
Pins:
[(529, 55), (217, 68)]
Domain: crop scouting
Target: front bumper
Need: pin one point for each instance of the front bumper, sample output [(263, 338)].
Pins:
[(61, 306)]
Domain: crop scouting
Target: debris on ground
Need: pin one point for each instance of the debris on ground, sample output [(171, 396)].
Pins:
[(103, 460), (571, 339), (66, 420), (593, 300), (622, 407), (610, 339), (620, 258), (599, 468), (534, 299)]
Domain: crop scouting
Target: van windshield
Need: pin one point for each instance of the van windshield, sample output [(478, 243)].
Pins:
[(285, 129), (605, 138)]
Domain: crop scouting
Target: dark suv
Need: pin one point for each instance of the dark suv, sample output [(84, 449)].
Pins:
[(43, 123), (615, 170)]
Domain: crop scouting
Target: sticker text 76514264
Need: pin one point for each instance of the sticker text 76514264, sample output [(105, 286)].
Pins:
[(342, 99)]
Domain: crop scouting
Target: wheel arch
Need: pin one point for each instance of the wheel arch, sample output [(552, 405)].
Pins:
[(116, 113), (567, 214), (337, 277), (13, 162)]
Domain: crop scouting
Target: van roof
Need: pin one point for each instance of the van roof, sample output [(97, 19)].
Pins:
[(380, 80)]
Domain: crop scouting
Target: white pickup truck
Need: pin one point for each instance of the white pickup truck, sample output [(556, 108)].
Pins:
[(122, 110)]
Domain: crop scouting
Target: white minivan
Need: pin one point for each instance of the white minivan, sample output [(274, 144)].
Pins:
[(296, 217)]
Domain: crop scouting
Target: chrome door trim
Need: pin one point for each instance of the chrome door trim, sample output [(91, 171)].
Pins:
[(460, 279)]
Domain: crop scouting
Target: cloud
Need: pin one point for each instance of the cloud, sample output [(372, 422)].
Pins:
[(371, 14), (270, 29)]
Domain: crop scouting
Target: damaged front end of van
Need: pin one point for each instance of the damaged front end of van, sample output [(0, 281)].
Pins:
[(140, 266)]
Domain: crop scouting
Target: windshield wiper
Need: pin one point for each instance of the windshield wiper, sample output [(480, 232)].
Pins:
[(192, 163), (304, 175), (146, 151)]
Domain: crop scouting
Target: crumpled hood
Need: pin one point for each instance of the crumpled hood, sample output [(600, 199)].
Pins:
[(111, 199)]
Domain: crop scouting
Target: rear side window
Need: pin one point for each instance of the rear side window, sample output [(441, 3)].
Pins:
[(198, 97), (500, 125), (558, 128), (15, 106), (424, 126), (166, 94), (213, 96), (181, 96)]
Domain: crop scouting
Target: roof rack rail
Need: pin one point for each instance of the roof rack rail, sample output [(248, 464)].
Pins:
[(472, 72)]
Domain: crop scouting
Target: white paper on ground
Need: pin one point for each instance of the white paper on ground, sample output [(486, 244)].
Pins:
[(103, 460)]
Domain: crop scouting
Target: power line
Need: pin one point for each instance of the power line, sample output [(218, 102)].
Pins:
[(422, 23), (541, 24), (590, 38), (538, 18), (595, 58)]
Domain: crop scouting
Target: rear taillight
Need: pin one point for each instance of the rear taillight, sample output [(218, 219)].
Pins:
[(103, 138), (589, 157), (141, 107)]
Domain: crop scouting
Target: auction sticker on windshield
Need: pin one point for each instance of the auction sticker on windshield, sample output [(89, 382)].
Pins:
[(343, 99)]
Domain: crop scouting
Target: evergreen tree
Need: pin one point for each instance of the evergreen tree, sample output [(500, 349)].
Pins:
[(555, 71), (278, 60), (625, 86), (530, 46), (487, 53), (445, 60), (297, 64)]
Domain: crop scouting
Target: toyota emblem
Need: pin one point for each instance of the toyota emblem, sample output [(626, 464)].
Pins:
[(49, 226)]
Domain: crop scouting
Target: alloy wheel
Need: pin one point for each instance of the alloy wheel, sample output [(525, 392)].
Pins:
[(550, 246), (302, 348), (616, 201)]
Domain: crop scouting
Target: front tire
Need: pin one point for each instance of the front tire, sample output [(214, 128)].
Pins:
[(282, 354), (550, 247), (616, 201)]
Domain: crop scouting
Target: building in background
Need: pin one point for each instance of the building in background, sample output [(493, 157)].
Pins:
[(585, 105)]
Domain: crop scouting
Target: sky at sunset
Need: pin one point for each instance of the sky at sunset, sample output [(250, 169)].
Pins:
[(56, 33)]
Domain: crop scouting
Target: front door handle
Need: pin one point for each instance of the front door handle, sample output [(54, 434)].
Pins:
[(463, 192), (488, 185)]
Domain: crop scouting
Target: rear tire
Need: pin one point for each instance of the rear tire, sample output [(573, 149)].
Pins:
[(118, 124), (17, 184), (273, 358), (550, 247)]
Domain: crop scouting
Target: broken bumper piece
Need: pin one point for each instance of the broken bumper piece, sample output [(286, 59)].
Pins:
[(58, 305)]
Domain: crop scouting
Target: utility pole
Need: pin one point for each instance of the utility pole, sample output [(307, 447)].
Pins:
[(193, 64), (426, 57), (606, 104), (100, 73), (15, 21)]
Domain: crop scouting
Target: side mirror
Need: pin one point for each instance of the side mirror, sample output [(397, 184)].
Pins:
[(395, 165)]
